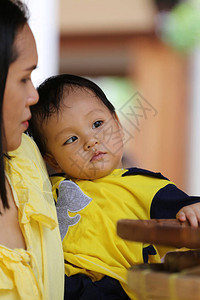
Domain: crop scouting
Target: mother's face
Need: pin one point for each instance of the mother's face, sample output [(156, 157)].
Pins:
[(19, 93)]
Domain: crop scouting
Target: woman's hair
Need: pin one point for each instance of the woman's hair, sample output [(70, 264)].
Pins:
[(51, 93), (13, 16)]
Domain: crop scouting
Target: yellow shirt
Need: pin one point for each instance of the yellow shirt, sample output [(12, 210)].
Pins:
[(37, 272), (91, 245)]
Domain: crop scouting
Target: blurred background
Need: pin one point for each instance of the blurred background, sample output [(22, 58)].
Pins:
[(145, 55)]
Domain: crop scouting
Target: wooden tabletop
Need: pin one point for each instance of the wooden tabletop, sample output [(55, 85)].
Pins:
[(167, 232)]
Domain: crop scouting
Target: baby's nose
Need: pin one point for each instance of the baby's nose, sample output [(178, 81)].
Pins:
[(90, 143)]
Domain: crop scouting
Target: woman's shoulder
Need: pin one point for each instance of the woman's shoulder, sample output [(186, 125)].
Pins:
[(27, 147), (28, 151), (26, 168), (27, 162)]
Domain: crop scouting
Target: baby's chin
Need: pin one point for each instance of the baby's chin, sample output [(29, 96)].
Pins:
[(91, 175)]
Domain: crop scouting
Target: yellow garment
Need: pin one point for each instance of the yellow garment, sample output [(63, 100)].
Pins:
[(91, 245), (37, 272)]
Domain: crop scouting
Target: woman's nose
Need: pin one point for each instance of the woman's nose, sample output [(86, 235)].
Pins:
[(33, 96), (90, 143)]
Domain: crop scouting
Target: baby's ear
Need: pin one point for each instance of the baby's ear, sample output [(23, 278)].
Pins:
[(52, 162), (116, 118)]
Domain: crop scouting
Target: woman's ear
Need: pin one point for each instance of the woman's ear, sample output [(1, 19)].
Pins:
[(52, 162)]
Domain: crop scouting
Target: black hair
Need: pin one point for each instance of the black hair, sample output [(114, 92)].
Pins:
[(13, 16), (51, 93)]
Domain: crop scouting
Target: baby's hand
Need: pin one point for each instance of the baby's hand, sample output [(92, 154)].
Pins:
[(190, 213)]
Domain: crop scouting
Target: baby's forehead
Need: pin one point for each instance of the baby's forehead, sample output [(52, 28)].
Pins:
[(76, 89), (71, 93)]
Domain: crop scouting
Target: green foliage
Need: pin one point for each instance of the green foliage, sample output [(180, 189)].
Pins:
[(182, 27)]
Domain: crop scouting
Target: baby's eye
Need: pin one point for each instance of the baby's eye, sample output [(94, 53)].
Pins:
[(97, 124), (71, 140)]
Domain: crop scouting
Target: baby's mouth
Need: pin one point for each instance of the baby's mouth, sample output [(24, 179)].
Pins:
[(98, 155)]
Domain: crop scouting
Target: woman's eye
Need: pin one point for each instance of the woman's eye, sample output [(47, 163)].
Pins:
[(71, 140), (24, 80), (97, 124)]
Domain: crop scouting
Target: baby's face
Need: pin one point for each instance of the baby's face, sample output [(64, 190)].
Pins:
[(85, 140)]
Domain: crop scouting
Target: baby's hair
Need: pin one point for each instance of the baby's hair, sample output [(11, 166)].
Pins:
[(51, 93)]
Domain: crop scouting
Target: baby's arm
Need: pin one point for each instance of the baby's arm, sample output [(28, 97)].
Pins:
[(170, 202), (190, 213)]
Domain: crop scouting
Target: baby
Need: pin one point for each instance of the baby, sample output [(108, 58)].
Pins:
[(80, 136)]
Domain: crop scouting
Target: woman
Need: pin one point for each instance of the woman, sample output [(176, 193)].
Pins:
[(31, 257)]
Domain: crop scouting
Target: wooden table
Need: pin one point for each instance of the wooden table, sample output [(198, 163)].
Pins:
[(152, 281)]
